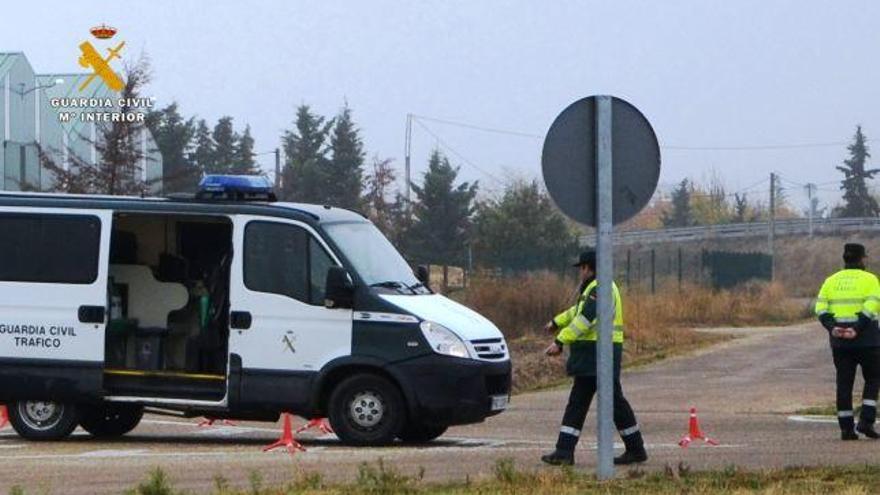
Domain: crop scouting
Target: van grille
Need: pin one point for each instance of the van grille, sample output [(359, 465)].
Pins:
[(490, 349)]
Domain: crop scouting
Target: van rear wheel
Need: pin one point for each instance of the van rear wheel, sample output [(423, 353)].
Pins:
[(43, 420), (366, 409), (109, 420)]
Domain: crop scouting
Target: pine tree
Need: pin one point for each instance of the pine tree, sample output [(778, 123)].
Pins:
[(203, 153), (681, 214), (442, 211), (858, 201), (174, 137), (345, 169), (306, 157), (244, 163), (225, 146), (522, 230)]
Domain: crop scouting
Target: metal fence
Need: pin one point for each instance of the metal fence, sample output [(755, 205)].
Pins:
[(668, 266), (796, 226)]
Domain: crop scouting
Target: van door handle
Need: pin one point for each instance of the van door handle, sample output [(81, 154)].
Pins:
[(91, 314), (240, 320)]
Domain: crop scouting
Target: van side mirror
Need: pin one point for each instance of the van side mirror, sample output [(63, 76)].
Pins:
[(338, 290), (423, 274)]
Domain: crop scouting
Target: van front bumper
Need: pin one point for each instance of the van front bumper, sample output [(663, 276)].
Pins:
[(449, 391)]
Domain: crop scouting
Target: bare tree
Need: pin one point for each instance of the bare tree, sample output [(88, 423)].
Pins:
[(119, 169)]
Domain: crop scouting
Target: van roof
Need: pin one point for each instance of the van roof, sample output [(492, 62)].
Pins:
[(302, 211)]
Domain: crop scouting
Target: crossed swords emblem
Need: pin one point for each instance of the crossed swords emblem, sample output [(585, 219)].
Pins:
[(288, 342), (101, 66)]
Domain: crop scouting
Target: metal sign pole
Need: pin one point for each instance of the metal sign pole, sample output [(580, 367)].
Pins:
[(605, 350)]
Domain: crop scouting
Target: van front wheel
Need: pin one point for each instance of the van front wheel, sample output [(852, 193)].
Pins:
[(415, 432), (43, 420), (366, 409), (111, 420)]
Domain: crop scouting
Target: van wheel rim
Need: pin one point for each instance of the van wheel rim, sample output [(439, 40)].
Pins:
[(367, 409), (40, 415)]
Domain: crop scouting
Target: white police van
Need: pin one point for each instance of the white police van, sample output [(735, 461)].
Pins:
[(229, 305)]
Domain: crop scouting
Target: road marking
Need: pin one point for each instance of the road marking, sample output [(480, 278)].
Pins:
[(813, 419), (114, 453)]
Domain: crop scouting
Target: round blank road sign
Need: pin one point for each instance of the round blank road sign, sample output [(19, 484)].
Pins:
[(569, 163)]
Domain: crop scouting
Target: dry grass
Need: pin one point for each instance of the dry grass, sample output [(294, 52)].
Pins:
[(384, 478), (657, 325), (804, 263)]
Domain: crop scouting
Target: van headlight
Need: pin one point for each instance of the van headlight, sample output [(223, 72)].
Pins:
[(443, 340)]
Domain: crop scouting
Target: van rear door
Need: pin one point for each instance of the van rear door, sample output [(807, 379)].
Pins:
[(53, 301)]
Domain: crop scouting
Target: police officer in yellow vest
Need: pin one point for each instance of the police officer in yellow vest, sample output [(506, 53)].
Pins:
[(577, 328), (847, 307)]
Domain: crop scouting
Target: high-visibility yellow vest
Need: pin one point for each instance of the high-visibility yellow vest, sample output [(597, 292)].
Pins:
[(575, 327), (847, 293)]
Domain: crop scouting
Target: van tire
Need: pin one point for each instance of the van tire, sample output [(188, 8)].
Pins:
[(43, 420), (415, 432), (110, 420), (366, 409)]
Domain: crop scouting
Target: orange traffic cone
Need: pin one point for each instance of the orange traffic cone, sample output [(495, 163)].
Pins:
[(4, 417), (286, 439), (319, 423), (694, 432)]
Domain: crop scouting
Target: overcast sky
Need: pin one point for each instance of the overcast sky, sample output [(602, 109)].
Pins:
[(707, 74)]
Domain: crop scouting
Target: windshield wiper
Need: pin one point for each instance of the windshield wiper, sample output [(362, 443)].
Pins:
[(419, 285), (393, 284)]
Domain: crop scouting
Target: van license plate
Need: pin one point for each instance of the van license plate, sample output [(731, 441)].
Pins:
[(499, 402)]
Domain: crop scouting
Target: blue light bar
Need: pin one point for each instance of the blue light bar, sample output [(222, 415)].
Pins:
[(236, 187)]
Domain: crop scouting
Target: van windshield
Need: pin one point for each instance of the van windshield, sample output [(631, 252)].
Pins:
[(374, 257)]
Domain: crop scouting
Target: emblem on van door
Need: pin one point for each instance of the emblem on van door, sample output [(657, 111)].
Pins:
[(288, 340)]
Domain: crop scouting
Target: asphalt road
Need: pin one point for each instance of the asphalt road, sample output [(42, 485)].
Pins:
[(745, 391)]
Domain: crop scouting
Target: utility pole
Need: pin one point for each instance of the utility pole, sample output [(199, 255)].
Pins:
[(811, 211), (407, 153), (772, 224), (277, 170)]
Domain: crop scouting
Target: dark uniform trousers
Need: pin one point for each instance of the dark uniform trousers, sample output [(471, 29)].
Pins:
[(579, 400), (846, 359)]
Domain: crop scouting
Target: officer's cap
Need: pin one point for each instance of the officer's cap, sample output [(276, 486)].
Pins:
[(586, 258), (854, 251)]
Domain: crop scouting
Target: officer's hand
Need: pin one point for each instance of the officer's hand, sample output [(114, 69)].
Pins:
[(553, 349), (843, 333), (550, 327)]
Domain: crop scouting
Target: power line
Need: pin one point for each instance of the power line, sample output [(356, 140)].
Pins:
[(674, 147), (456, 153), (478, 127), (757, 147)]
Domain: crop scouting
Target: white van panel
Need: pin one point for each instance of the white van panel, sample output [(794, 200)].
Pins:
[(40, 320), (285, 334)]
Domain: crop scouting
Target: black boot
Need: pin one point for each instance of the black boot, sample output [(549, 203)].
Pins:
[(631, 456), (848, 435), (635, 449), (867, 430), (559, 458)]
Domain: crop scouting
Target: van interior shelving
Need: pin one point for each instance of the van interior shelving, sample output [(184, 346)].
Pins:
[(168, 291)]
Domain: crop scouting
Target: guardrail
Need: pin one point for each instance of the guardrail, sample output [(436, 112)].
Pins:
[(797, 226)]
